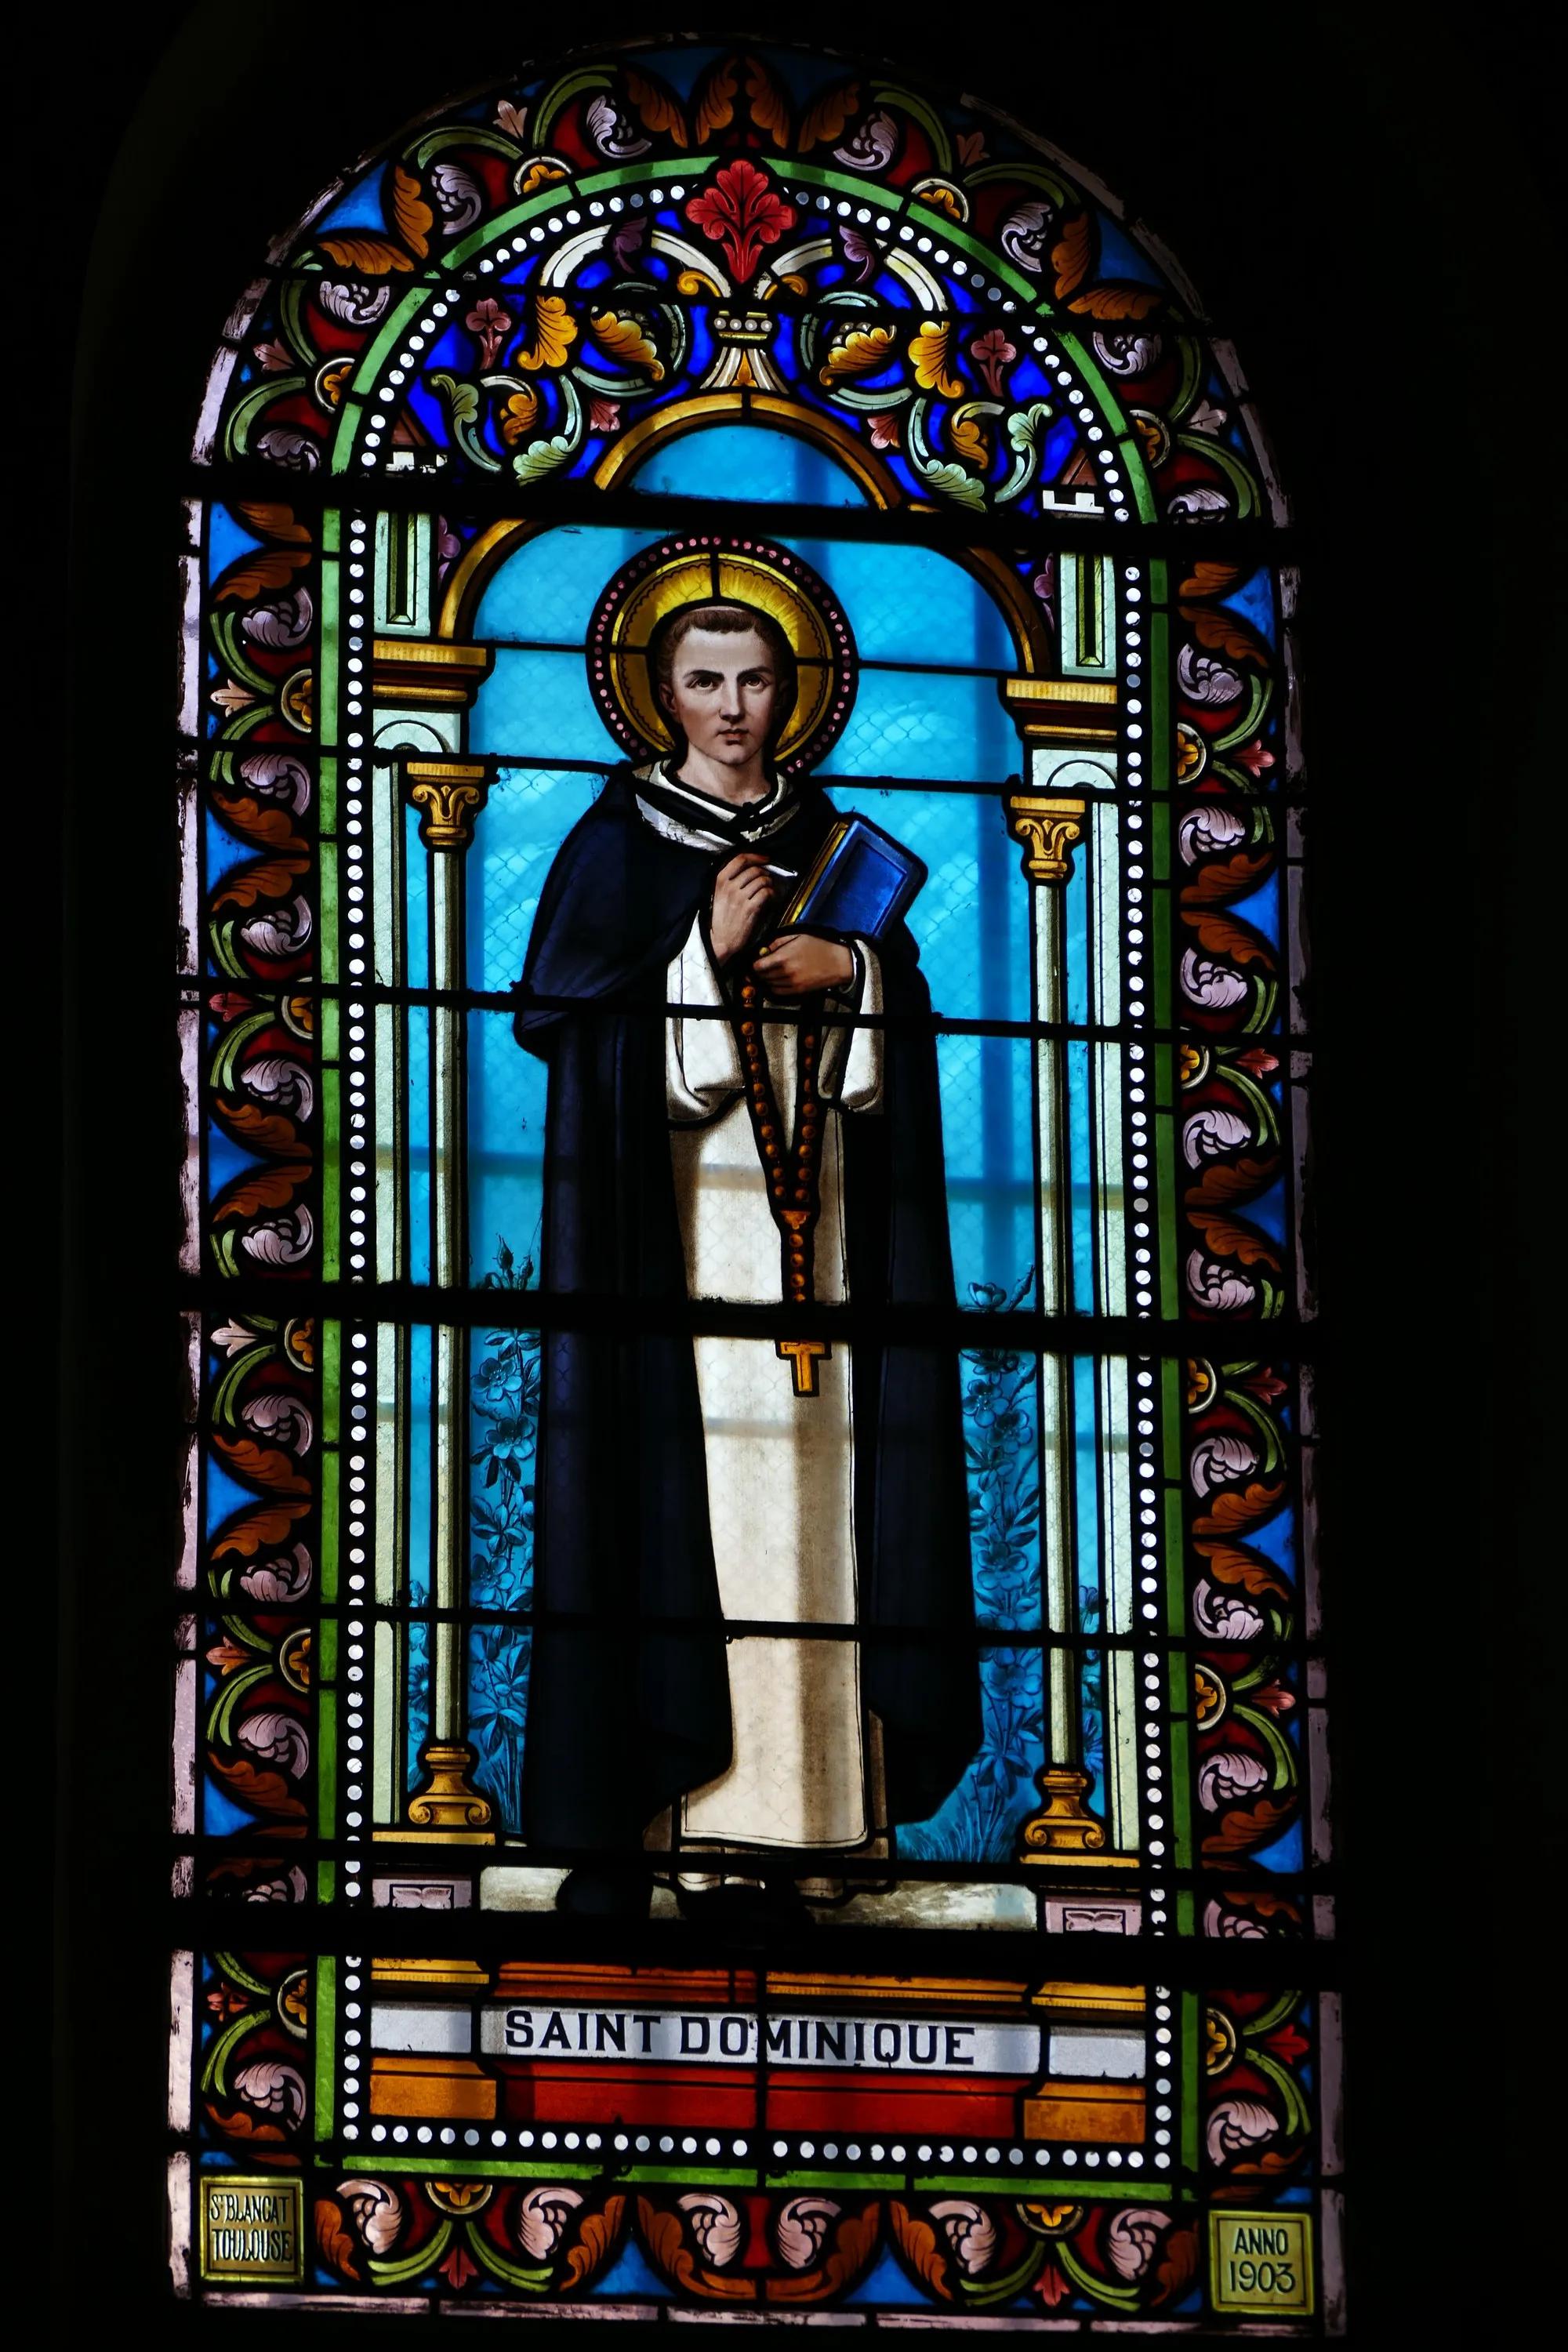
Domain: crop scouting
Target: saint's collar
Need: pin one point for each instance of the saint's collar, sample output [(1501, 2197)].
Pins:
[(698, 820)]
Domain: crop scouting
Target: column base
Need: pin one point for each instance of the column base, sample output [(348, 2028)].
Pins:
[(1063, 1831), (446, 1811)]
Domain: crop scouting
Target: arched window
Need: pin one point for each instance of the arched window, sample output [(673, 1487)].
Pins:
[(741, 859)]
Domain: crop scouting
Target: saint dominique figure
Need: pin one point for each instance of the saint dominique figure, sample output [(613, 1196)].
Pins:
[(753, 1650)]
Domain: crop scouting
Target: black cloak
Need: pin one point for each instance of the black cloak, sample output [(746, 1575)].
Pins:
[(628, 1703)]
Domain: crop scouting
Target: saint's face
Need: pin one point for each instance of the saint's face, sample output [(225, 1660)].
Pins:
[(723, 694)]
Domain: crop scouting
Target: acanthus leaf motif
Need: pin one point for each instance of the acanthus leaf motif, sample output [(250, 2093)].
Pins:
[(518, 412), (333, 2242), (253, 575), (770, 101), (967, 438), (543, 2214), (800, 2227), (1117, 302), (931, 351), (261, 1465), (715, 2224), (613, 132), (916, 2241), (826, 115), (625, 338), (1071, 254), (555, 332), (863, 351), (658, 110), (367, 256), (713, 102), (413, 215), (741, 212)]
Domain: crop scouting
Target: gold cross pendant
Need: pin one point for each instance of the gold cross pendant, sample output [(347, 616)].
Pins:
[(803, 1357)]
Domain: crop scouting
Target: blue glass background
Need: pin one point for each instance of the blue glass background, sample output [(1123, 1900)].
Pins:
[(224, 849), (1080, 1199), (417, 1097), (499, 1661), (910, 604), (944, 725), (226, 540), (988, 1145), (417, 903), (904, 603), (537, 705), (1090, 1606), (1254, 601), (225, 1161), (1075, 944), (529, 813), (418, 1698), (547, 589), (503, 1445), (506, 1144), (420, 1436), (749, 462)]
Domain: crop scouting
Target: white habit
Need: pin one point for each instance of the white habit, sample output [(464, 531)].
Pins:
[(781, 1468)]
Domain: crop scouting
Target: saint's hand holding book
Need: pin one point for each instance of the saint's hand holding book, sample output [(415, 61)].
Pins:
[(859, 884)]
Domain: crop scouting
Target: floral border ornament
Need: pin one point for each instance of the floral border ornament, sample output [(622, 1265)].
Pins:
[(751, 2252), (808, 259)]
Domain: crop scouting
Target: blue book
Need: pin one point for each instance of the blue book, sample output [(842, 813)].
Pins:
[(860, 883)]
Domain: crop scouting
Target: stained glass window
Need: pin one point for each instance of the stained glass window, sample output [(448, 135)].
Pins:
[(740, 813)]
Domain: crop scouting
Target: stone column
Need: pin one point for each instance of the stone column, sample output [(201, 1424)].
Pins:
[(448, 796), (1047, 828)]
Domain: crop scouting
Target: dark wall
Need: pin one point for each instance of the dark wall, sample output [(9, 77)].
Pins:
[(1361, 195)]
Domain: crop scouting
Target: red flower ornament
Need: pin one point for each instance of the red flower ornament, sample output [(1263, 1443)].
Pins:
[(490, 325), (991, 353), (742, 213), (1287, 2044), (1051, 2286), (458, 2269)]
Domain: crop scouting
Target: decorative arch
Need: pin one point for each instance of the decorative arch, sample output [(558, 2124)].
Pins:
[(670, 422), (476, 567), (474, 344), (988, 328)]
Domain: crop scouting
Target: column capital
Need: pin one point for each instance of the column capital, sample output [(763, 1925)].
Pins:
[(449, 794), (1063, 709), (1047, 830), (430, 672)]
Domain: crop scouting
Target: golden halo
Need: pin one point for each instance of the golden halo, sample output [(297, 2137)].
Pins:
[(704, 568)]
